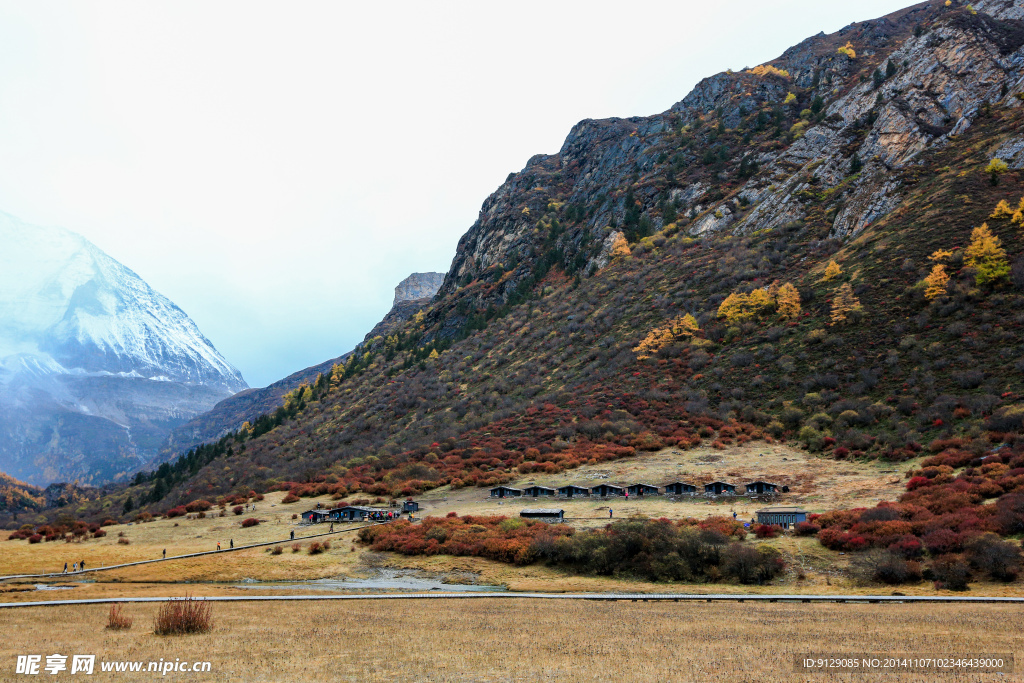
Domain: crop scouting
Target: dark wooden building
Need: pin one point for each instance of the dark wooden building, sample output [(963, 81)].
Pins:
[(681, 488), (410, 506), (605, 490), (783, 516), (535, 491), (356, 513), (552, 515), (505, 492), (314, 516), (719, 488), (573, 491), (760, 487), (643, 490)]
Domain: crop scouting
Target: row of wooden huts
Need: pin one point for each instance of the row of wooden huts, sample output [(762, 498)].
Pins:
[(780, 516), (677, 488), (356, 513)]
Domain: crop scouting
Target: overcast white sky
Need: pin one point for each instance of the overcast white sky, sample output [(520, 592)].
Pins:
[(276, 168)]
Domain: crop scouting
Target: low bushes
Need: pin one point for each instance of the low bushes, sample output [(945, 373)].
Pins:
[(182, 616), (117, 620), (656, 550), (252, 521)]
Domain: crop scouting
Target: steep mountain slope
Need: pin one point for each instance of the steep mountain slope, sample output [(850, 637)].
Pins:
[(94, 364), (411, 295), (749, 264)]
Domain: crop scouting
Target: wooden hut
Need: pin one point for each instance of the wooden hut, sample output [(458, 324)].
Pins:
[(505, 492), (643, 490), (605, 490), (760, 487), (719, 488), (783, 516), (410, 506), (535, 491), (680, 488), (355, 513), (573, 491), (552, 515), (314, 516)]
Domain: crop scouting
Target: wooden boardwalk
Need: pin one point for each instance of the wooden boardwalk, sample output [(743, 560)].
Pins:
[(607, 597)]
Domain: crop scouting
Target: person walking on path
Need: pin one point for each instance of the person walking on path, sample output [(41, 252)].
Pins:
[(81, 565), (734, 514), (332, 528), (165, 553), (232, 543), (293, 534), (74, 567), (609, 513), (65, 568), (218, 545)]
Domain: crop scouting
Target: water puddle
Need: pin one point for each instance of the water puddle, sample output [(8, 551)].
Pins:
[(47, 587), (382, 580)]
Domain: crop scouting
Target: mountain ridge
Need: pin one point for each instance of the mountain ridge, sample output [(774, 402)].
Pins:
[(411, 295), (585, 314)]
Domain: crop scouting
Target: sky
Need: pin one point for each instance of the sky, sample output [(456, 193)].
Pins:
[(276, 168)]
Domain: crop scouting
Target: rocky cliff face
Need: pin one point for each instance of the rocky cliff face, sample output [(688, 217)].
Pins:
[(744, 152), (418, 286), (95, 366)]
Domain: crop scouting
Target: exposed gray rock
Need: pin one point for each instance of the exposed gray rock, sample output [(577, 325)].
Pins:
[(418, 286)]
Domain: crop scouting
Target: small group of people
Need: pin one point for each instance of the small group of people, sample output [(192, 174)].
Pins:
[(75, 567), (381, 516)]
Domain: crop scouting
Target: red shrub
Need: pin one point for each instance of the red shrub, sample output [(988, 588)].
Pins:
[(806, 528), (942, 541), (238, 509), (290, 498), (252, 521), (909, 547), (767, 530), (198, 506), (176, 512), (35, 538)]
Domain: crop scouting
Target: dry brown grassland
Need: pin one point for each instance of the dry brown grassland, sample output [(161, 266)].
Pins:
[(520, 640)]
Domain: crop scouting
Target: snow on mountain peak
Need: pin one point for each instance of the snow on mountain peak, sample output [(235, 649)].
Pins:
[(69, 305)]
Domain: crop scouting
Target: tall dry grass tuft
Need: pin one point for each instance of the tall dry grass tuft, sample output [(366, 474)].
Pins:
[(117, 620), (183, 615)]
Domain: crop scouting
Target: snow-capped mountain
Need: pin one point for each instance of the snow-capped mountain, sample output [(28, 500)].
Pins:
[(95, 365)]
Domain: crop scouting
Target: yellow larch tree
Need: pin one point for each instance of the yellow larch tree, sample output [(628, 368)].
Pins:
[(1018, 216), (734, 308), (844, 303), (787, 301), (659, 337), (1002, 210), (987, 256), (832, 271), (620, 247), (936, 282)]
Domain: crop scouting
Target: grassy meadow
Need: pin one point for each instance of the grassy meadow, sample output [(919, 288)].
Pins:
[(519, 640)]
